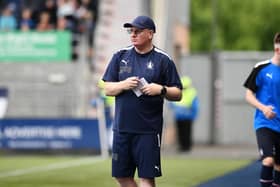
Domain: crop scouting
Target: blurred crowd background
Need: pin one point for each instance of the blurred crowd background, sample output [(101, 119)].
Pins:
[(77, 16)]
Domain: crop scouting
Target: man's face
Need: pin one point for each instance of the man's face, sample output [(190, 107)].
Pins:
[(140, 37)]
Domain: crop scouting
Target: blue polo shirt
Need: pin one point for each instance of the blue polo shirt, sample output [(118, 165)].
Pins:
[(140, 114), (264, 81)]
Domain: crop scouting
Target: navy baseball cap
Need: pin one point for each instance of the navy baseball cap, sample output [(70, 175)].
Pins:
[(142, 22)]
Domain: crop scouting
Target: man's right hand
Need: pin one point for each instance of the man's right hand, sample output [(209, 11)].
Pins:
[(130, 83)]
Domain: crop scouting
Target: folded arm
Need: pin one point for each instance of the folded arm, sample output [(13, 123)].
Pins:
[(266, 109), (115, 88)]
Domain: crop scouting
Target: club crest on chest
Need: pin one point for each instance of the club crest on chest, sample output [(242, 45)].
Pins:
[(150, 65)]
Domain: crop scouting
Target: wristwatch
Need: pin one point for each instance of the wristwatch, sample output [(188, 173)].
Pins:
[(163, 91)]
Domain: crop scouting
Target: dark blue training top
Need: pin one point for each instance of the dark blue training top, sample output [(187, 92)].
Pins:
[(264, 81), (140, 114)]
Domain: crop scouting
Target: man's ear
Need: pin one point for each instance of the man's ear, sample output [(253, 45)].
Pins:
[(151, 35)]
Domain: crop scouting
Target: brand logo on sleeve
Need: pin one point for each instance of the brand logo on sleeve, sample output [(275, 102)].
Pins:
[(269, 75)]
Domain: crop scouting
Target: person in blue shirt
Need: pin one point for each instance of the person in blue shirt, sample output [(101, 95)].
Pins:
[(140, 77), (8, 21), (185, 112), (263, 93)]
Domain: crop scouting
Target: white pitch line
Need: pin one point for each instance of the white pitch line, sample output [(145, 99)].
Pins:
[(50, 167)]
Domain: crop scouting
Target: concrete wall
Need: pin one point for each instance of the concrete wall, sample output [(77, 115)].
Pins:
[(233, 116), (44, 89)]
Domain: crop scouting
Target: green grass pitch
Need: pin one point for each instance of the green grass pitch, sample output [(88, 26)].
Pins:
[(79, 171)]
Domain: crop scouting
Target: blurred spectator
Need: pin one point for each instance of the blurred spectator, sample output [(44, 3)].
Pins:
[(36, 7), (87, 14), (66, 9), (26, 22), (62, 24), (109, 104), (44, 22), (109, 107), (51, 8), (185, 112), (14, 6), (109, 110), (8, 21)]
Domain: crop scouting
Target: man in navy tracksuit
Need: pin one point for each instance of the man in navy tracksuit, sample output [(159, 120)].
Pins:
[(140, 77)]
